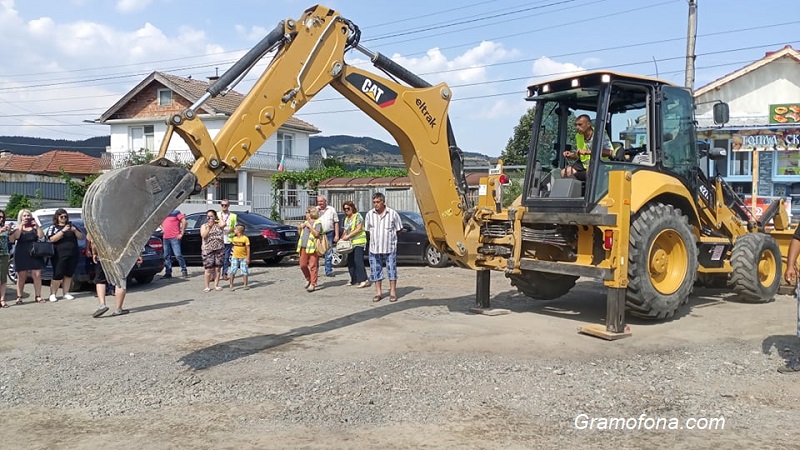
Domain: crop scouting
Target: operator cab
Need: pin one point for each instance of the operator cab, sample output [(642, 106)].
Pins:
[(638, 123)]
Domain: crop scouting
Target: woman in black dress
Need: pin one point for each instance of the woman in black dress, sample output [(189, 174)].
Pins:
[(25, 235), (64, 237)]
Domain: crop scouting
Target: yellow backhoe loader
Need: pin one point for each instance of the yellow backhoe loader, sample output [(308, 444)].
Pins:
[(644, 219)]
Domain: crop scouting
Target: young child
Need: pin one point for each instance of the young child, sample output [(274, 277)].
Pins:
[(241, 255)]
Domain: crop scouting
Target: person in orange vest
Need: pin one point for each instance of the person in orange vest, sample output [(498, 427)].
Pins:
[(582, 156)]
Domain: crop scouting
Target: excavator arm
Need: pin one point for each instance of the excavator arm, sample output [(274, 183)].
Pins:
[(309, 56)]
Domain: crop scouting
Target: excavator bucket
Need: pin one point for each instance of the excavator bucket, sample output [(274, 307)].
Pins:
[(123, 207)]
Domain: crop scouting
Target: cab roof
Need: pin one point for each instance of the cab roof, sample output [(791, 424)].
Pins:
[(588, 79)]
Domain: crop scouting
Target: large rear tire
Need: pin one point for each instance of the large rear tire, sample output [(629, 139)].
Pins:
[(662, 265), (543, 285), (756, 263)]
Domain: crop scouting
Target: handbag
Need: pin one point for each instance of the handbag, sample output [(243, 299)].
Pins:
[(322, 244), (42, 249), (344, 247)]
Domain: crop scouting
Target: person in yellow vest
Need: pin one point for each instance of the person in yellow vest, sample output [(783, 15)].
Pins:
[(309, 230), (583, 154), (228, 221), (354, 232)]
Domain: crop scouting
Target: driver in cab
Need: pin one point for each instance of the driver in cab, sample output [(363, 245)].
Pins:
[(578, 161)]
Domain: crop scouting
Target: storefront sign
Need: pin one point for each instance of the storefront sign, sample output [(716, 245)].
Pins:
[(784, 113), (758, 139)]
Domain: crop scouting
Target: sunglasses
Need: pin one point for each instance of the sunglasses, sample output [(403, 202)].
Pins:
[(347, 208), (62, 216), (224, 205)]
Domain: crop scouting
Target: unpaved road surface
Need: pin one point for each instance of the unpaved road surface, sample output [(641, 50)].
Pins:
[(276, 367)]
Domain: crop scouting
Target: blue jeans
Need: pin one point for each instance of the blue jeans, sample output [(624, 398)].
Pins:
[(173, 246), (355, 265), (329, 254), (376, 263), (226, 259)]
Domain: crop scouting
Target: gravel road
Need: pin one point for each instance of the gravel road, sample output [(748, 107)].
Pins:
[(276, 367)]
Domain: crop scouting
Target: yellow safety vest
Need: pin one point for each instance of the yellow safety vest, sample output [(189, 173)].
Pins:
[(361, 237), (581, 144), (311, 247)]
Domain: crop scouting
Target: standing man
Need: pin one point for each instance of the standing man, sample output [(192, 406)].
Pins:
[(790, 275), (228, 221), (330, 226), (383, 223), (173, 228)]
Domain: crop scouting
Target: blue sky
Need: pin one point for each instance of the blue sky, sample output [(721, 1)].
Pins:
[(68, 61)]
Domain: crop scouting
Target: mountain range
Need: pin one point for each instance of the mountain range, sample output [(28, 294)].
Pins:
[(350, 150)]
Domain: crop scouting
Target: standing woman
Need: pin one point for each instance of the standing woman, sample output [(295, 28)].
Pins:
[(309, 230), (64, 237), (353, 231), (25, 235), (4, 257), (213, 249)]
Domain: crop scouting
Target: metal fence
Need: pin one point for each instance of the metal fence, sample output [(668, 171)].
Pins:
[(259, 161)]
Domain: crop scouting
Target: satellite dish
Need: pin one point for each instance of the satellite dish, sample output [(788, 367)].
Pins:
[(323, 152)]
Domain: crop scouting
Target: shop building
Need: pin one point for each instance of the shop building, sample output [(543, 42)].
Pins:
[(763, 134)]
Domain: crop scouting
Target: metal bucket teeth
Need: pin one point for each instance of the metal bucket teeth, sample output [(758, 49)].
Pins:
[(123, 207)]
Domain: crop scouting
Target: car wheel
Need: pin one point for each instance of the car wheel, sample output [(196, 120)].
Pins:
[(435, 258), (337, 259), (145, 279), (273, 260)]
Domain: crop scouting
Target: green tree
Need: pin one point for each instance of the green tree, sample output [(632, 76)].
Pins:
[(518, 147), (76, 190), (136, 157), (516, 151), (18, 202)]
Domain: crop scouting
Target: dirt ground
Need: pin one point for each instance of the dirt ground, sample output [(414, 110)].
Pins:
[(177, 335)]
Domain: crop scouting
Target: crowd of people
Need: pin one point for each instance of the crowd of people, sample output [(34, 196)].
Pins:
[(225, 251)]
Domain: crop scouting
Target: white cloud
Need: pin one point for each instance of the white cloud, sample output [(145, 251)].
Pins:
[(253, 34), (130, 6), (545, 68)]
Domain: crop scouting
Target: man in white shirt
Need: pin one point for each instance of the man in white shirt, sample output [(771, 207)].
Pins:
[(330, 226), (383, 223)]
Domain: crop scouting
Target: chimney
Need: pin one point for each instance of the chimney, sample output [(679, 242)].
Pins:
[(214, 77)]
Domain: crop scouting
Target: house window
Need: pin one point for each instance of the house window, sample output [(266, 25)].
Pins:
[(292, 194), (787, 163), (285, 145), (141, 138), (164, 97)]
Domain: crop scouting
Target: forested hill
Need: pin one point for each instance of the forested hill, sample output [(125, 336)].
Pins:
[(23, 145), (351, 150), (358, 151)]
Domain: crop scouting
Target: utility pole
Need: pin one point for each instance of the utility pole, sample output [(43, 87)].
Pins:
[(690, 41)]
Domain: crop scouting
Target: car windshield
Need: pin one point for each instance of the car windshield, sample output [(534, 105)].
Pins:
[(415, 217)]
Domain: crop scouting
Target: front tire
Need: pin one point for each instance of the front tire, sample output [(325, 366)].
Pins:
[(757, 267), (663, 264), (543, 285)]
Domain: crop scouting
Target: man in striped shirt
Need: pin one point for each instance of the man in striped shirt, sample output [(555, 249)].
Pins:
[(382, 223)]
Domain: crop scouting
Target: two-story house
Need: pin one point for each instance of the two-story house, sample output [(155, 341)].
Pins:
[(137, 122)]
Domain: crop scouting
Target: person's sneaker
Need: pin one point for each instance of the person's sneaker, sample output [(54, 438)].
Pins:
[(68, 297), (185, 274), (330, 274), (53, 298), (120, 312), (790, 368), (100, 311), (166, 275)]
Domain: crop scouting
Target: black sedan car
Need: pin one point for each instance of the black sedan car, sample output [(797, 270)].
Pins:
[(269, 240), (412, 243)]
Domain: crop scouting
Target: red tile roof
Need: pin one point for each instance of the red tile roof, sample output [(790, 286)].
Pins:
[(73, 163)]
